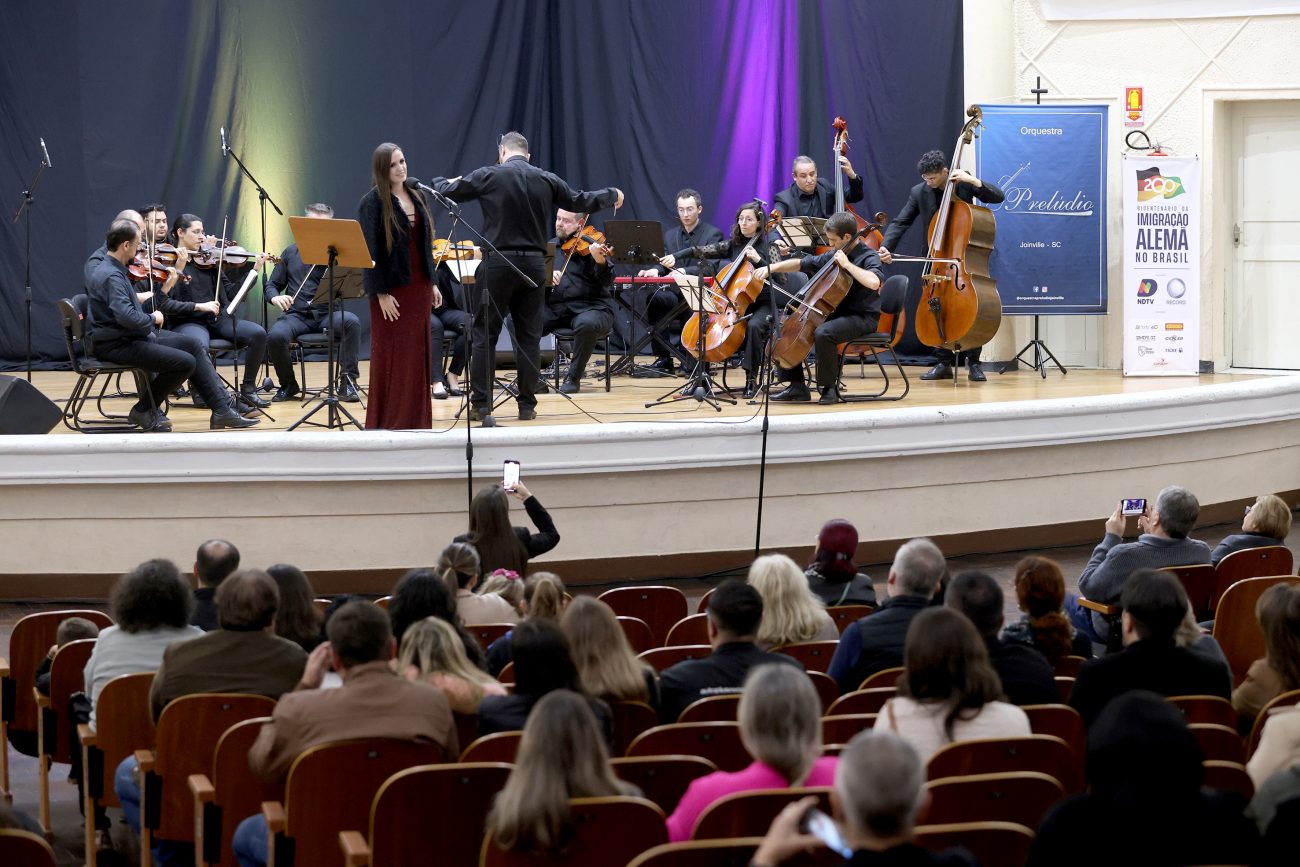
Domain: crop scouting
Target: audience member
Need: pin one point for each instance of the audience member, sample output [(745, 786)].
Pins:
[(509, 586), (1279, 746), (70, 629), (1278, 611), (562, 755), (948, 691), (781, 728), (459, 566), (419, 594), (1145, 804), (1040, 593), (1190, 636), (831, 574), (1275, 810), (543, 598), (1027, 677), (875, 642), (372, 703), (1154, 605), (1164, 542), (215, 561), (878, 791), (735, 611), (791, 612), (432, 652), (607, 667), (499, 545), (1267, 522), (297, 618)]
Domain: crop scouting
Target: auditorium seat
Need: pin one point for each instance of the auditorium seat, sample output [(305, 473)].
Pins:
[(691, 629), (607, 831), (885, 677), (1198, 581), (704, 602), (123, 724), (1281, 702), (507, 673), (1064, 688), (1251, 563), (847, 615), (827, 689), (498, 747), (1022, 797), (1062, 721), (711, 708), (1069, 666), (749, 814), (54, 733), (486, 633), (1235, 626), (1043, 753), (658, 606), (1229, 777), (637, 632), (994, 844), (662, 779), (630, 718), (700, 853), (719, 742), (862, 701), (661, 658), (24, 849), (815, 655), (1219, 743), (842, 728), (228, 793)]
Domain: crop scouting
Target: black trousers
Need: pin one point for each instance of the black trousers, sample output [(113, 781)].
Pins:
[(502, 292), (589, 326), (242, 333), (293, 325), (172, 358), (947, 356), (456, 322), (826, 341)]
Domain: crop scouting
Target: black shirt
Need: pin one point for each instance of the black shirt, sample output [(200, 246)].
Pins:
[(584, 286), (1158, 666), (200, 290), (115, 312), (794, 202), (205, 609), (1027, 677), (861, 300), (287, 277), (677, 238), (923, 204), (722, 672), (519, 201)]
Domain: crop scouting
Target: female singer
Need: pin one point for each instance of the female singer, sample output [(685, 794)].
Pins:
[(749, 224), (399, 232)]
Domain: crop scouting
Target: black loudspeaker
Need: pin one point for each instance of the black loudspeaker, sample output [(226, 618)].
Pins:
[(24, 410)]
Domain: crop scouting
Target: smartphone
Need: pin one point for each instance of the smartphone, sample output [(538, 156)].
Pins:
[(510, 475), (1135, 506), (823, 827)]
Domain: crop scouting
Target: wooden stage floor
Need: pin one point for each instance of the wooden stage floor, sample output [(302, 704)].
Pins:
[(626, 401)]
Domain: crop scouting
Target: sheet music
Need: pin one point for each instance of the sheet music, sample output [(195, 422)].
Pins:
[(243, 290), (689, 284), (803, 231)]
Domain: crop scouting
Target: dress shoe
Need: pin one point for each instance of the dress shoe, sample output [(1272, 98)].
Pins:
[(542, 387), (830, 397), (664, 363), (150, 420), (939, 371), (750, 390), (161, 423), (243, 407), (974, 372), (287, 392), (252, 398), (570, 386), (793, 392), (230, 419), (347, 392), (198, 400), (455, 391), (437, 395), (526, 414)]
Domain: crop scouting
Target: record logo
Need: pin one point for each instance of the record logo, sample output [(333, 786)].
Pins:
[(1176, 288)]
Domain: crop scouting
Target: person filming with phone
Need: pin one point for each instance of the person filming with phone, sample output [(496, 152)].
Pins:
[(500, 545)]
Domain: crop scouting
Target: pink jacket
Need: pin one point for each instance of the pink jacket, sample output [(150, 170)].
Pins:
[(704, 791)]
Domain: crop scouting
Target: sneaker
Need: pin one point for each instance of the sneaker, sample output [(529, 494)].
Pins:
[(230, 419)]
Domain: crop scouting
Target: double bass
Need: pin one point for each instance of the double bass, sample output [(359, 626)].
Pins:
[(734, 290)]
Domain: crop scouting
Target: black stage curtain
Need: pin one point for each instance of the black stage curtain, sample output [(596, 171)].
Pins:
[(719, 95)]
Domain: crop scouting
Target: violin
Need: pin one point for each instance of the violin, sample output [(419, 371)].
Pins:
[(734, 290), (210, 255), (584, 240), (444, 249), (158, 269)]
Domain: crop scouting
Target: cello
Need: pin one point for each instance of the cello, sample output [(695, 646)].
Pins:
[(810, 308), (734, 290)]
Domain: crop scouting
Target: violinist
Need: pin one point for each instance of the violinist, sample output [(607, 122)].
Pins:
[(291, 288), (748, 227), (203, 322), (856, 316), (579, 298), (922, 204)]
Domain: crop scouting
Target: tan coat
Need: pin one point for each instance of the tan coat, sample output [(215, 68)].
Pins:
[(256, 662), (489, 608), (1262, 685)]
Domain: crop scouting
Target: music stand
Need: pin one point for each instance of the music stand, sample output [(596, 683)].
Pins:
[(638, 243), (331, 243), (803, 232)]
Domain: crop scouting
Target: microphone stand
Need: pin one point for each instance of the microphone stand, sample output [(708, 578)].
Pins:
[(766, 378), (25, 208)]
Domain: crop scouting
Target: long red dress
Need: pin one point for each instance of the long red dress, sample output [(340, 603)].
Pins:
[(399, 351)]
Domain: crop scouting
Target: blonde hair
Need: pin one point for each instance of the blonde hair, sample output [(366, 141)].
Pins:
[(1272, 516), (780, 720), (791, 611), (544, 593), (433, 646), (606, 665), (511, 589)]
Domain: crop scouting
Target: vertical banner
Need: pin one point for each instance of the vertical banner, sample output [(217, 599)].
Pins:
[(1162, 266), (1050, 160)]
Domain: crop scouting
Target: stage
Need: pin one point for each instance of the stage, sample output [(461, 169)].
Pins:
[(1013, 463)]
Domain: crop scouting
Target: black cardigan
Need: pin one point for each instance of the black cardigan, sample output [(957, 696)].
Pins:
[(546, 537), (391, 270)]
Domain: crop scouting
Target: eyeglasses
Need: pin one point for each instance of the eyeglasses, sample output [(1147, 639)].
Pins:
[(1248, 508)]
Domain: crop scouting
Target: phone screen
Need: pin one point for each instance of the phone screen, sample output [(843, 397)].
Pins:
[(510, 475), (1133, 507), (823, 827)]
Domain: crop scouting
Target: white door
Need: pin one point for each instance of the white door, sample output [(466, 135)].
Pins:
[(1264, 306)]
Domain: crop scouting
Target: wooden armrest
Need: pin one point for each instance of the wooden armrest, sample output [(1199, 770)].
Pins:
[(42, 701), (1099, 607), (146, 760), (276, 821), (4, 667), (201, 788), (88, 736), (356, 853)]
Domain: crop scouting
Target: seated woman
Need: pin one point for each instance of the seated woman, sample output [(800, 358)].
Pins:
[(499, 545), (297, 618), (948, 691), (432, 652), (419, 594), (831, 575), (791, 612), (458, 564), (543, 597), (607, 667), (1040, 591), (781, 728), (1278, 611), (508, 585), (1267, 522), (561, 756)]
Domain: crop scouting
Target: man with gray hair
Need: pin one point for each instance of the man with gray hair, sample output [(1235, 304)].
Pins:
[(875, 642), (1164, 542), (878, 792)]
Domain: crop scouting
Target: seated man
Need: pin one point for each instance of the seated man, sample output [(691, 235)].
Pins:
[(875, 642), (214, 562), (1027, 677), (1154, 605), (1163, 542), (579, 297), (374, 702), (735, 610)]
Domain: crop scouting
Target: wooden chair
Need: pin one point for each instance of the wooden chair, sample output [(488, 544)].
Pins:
[(662, 779), (748, 814), (630, 718), (486, 633), (827, 689), (704, 602), (637, 632), (1064, 687), (1062, 721), (815, 655), (1229, 777), (885, 677), (29, 643), (500, 747), (1111, 614), (24, 849), (666, 657), (1205, 709), (1219, 743), (1022, 797), (842, 728), (691, 629), (700, 853), (1251, 563), (862, 701), (1198, 581), (186, 738), (331, 787), (660, 607), (1043, 753), (507, 673), (719, 742), (54, 734), (457, 797), (322, 604), (607, 831), (383, 601), (1235, 626), (994, 844), (847, 615), (713, 708), (1069, 666), (1280, 703), (228, 793), (123, 724)]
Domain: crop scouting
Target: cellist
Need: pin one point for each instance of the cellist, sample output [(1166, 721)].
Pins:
[(856, 316), (922, 203)]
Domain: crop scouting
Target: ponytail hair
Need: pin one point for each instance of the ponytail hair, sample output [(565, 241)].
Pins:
[(544, 595), (1040, 590), (458, 566)]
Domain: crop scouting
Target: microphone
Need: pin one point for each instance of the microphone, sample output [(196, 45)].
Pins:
[(44, 150), (225, 149), (413, 184)]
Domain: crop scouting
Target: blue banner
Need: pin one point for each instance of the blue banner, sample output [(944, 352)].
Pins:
[(1050, 160)]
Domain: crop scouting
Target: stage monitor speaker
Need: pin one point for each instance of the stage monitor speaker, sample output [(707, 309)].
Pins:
[(24, 410)]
